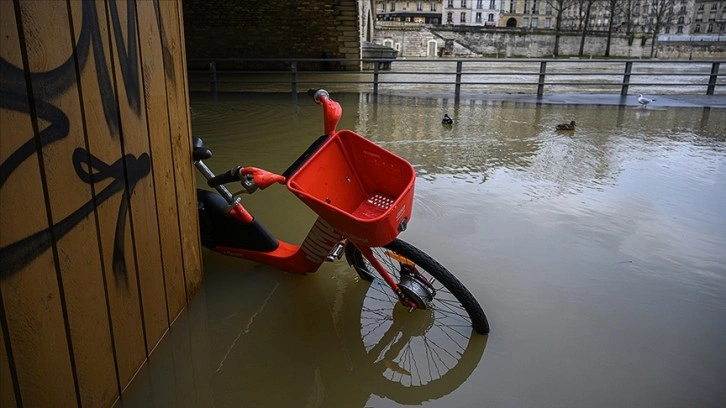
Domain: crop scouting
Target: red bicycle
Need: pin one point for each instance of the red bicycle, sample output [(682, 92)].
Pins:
[(363, 196)]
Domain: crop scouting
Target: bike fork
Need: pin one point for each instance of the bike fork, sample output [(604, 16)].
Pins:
[(368, 254)]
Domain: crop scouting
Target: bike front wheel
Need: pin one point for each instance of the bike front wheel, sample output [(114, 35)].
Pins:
[(426, 282)]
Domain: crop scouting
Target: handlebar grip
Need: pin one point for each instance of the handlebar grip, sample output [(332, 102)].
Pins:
[(228, 177)]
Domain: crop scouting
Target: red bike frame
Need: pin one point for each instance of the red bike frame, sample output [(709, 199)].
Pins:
[(345, 214)]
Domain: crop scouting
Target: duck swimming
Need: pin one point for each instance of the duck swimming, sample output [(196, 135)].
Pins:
[(566, 126), (447, 120)]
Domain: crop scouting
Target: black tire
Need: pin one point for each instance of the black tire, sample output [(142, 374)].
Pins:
[(414, 357), (452, 296)]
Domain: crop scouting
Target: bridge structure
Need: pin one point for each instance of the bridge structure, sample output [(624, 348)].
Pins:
[(218, 29)]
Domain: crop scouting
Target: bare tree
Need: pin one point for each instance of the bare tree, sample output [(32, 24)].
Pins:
[(559, 6), (660, 17), (630, 15), (615, 9), (587, 6)]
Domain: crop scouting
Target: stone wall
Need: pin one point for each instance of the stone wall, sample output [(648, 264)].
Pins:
[(273, 29), (460, 41)]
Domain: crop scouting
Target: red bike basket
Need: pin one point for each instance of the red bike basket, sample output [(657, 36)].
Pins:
[(363, 190)]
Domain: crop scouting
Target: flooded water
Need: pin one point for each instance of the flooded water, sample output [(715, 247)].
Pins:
[(599, 256)]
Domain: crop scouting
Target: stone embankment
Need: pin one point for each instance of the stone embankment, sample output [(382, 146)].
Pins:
[(458, 41)]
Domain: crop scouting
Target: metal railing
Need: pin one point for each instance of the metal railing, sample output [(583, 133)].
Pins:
[(468, 76)]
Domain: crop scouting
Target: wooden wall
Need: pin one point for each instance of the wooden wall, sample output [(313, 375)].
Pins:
[(99, 244)]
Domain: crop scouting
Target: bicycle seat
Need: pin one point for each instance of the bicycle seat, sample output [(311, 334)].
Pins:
[(200, 152)]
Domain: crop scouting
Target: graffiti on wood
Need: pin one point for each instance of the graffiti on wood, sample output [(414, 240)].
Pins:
[(124, 172)]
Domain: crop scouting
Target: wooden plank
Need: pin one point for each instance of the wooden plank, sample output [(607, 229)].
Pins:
[(8, 41), (135, 141), (7, 389), (160, 144), (28, 282), (177, 91), (104, 142), (71, 203)]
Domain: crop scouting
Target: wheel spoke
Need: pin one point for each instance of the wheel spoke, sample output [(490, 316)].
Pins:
[(423, 346)]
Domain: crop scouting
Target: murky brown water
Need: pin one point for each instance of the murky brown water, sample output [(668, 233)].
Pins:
[(598, 255)]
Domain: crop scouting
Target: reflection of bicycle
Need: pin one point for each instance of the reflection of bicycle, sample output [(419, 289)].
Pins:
[(406, 357), (363, 196)]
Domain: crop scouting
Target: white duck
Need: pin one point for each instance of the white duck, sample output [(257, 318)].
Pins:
[(643, 101)]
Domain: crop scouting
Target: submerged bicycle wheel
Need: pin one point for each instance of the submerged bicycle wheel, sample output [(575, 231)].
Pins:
[(427, 353), (424, 281)]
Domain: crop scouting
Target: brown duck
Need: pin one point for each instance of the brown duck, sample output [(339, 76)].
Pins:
[(566, 126)]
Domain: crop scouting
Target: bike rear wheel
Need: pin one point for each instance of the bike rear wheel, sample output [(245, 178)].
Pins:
[(451, 304)]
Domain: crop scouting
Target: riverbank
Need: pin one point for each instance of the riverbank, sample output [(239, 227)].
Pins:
[(659, 102)]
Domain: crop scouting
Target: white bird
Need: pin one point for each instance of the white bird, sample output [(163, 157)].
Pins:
[(643, 101)]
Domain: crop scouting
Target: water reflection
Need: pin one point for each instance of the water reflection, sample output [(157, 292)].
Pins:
[(597, 255), (262, 338)]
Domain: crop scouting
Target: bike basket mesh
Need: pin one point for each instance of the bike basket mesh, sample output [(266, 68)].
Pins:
[(361, 189)]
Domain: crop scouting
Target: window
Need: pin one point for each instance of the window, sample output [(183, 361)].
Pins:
[(479, 4), (534, 7), (393, 6), (383, 7), (680, 30), (433, 6), (681, 20), (450, 4), (492, 4), (463, 3), (462, 18), (512, 7), (478, 17), (525, 22), (697, 29), (534, 22), (490, 18), (548, 22), (709, 29), (449, 17), (548, 9), (526, 6)]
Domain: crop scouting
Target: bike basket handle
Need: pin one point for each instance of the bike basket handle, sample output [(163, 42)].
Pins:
[(228, 177)]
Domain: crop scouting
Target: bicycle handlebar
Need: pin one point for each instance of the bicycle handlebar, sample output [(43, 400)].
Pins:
[(331, 109), (228, 177)]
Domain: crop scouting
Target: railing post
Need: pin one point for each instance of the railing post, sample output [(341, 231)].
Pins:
[(541, 81), (293, 78), (457, 88), (712, 79), (375, 79), (213, 75), (626, 78)]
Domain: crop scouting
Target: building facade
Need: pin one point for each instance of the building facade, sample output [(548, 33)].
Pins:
[(709, 17), (415, 12), (671, 17), (483, 13)]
